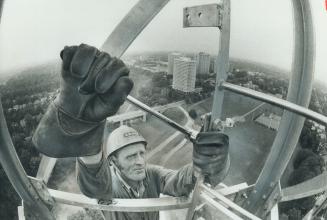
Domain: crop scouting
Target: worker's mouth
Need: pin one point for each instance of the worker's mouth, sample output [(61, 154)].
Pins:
[(139, 170)]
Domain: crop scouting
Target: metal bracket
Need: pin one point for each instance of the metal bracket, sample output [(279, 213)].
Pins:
[(43, 192), (202, 16), (241, 196)]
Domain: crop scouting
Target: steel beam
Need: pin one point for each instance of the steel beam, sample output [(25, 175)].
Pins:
[(310, 187), (234, 189), (318, 207), (35, 207), (228, 214), (299, 92), (17, 176), (191, 134), (228, 202), (45, 168), (132, 25), (274, 214), (195, 197), (121, 205), (222, 67), (222, 62), (129, 205), (21, 214), (298, 109)]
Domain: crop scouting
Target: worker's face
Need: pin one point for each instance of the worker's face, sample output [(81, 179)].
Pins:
[(131, 161)]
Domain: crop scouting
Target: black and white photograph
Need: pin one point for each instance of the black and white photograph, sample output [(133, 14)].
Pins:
[(163, 110)]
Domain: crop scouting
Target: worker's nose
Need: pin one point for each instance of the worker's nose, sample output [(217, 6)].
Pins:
[(140, 160)]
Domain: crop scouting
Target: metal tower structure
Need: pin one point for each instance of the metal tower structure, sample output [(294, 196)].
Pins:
[(265, 194)]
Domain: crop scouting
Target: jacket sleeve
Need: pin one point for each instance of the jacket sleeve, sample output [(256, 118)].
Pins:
[(94, 180), (175, 182)]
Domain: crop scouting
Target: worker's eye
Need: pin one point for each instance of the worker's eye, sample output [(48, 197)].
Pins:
[(130, 157)]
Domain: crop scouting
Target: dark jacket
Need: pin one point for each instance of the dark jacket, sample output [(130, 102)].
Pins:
[(97, 180)]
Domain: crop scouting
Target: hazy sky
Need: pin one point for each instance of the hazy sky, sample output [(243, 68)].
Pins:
[(34, 31)]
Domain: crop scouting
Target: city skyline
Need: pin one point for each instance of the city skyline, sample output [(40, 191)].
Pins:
[(259, 36)]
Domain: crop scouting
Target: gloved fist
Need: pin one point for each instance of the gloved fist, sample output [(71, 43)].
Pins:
[(93, 86), (210, 156)]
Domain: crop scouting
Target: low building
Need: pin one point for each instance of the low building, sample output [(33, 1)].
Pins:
[(271, 121)]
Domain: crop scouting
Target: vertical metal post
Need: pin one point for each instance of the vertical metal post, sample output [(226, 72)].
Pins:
[(33, 203), (222, 62), (222, 67), (299, 92)]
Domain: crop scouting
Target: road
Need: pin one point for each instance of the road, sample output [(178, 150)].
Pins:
[(163, 145)]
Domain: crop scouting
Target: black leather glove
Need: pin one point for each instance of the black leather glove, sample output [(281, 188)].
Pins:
[(93, 86), (210, 156)]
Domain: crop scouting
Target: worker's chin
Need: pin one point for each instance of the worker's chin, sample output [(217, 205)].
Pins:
[(138, 175)]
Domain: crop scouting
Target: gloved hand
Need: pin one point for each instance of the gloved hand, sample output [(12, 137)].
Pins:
[(93, 86), (210, 156)]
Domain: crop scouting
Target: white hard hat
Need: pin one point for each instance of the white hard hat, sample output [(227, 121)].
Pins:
[(121, 137)]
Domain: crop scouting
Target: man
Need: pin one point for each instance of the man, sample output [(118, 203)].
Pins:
[(94, 85)]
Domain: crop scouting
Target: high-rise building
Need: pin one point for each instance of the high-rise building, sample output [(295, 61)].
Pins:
[(171, 58), (184, 74), (202, 63), (213, 64)]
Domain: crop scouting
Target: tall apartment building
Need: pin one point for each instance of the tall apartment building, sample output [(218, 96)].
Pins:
[(184, 75), (171, 58), (213, 64), (202, 63)]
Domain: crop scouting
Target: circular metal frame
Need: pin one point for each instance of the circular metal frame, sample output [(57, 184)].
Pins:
[(284, 144)]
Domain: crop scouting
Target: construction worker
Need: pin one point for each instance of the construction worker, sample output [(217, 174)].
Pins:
[(93, 86)]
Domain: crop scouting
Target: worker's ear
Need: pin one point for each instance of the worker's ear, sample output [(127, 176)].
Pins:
[(113, 160)]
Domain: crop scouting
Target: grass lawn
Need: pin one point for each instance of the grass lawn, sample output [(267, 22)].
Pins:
[(249, 147), (176, 115), (250, 143)]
